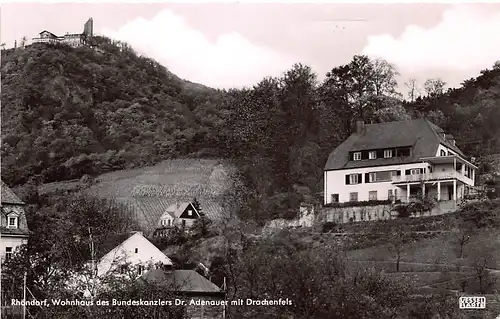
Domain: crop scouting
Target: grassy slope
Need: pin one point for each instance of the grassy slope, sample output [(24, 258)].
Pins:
[(149, 190)]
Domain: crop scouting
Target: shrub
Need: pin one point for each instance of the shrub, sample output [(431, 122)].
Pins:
[(359, 204), (328, 226)]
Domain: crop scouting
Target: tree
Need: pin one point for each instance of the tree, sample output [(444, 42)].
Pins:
[(197, 206), (413, 90), (3, 46), (397, 239), (482, 272), (464, 232), (434, 87), (358, 86), (394, 112)]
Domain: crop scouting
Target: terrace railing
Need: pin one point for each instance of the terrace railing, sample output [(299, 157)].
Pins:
[(436, 176)]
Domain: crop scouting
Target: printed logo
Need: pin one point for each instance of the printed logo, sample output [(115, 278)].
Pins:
[(471, 302)]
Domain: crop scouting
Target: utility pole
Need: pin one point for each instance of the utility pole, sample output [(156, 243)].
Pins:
[(92, 263), (24, 296), (1, 305)]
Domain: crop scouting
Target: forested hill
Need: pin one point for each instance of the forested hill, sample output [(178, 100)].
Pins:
[(68, 112)]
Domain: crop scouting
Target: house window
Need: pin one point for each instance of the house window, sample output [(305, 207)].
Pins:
[(353, 179), (183, 223), (372, 155), (12, 222), (387, 153), (353, 197), (136, 250), (141, 269), (372, 195), (443, 153), (357, 156), (8, 253), (372, 177), (190, 213), (335, 198), (168, 222), (382, 176)]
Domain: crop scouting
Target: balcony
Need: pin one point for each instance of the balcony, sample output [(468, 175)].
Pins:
[(430, 177)]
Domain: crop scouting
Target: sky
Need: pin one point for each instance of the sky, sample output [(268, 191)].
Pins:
[(237, 44)]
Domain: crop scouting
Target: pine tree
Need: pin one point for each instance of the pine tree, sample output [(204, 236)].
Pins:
[(197, 206)]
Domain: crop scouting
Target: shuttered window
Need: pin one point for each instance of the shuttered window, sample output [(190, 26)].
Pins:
[(352, 179)]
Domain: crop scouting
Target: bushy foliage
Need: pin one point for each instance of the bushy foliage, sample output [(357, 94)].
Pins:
[(317, 281)]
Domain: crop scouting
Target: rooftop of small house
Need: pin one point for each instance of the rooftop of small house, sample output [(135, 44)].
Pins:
[(421, 135), (9, 197), (184, 281)]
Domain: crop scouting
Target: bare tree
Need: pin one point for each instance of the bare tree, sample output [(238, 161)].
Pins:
[(464, 231), (413, 90), (3, 46), (434, 87), (481, 271), (397, 240)]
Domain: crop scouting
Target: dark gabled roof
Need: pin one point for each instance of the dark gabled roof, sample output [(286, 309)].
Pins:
[(423, 136), (110, 242), (185, 281), (8, 196), (55, 36)]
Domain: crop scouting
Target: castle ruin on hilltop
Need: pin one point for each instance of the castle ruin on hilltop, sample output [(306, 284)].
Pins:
[(72, 39)]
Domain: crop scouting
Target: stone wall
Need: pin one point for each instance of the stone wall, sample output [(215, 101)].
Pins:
[(340, 215), (305, 218)]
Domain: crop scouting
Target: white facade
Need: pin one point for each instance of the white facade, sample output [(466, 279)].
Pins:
[(10, 243), (137, 251), (14, 233), (335, 183), (445, 176)]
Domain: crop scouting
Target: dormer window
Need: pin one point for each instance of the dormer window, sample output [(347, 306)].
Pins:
[(357, 156), (12, 221), (443, 153), (372, 155), (136, 250), (387, 153), (190, 212)]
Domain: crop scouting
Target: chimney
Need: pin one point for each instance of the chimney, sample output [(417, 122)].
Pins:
[(450, 139), (360, 125)]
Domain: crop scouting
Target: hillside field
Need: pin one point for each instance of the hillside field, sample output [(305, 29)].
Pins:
[(148, 191)]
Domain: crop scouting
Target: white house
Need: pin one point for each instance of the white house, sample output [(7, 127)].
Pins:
[(131, 258), (14, 230), (182, 215), (135, 252), (396, 160)]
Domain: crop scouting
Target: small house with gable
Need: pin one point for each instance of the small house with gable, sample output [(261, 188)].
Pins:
[(180, 215), (14, 230)]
